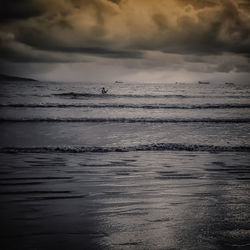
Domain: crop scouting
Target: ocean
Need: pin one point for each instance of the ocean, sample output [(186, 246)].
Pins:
[(145, 166)]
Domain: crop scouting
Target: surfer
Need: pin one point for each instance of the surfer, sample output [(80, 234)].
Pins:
[(104, 91)]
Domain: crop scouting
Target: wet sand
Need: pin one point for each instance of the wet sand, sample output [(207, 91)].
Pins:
[(129, 200)]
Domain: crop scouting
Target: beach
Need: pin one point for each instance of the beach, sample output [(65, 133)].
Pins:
[(146, 166)]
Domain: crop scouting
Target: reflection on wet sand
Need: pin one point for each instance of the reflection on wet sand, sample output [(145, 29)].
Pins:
[(129, 200)]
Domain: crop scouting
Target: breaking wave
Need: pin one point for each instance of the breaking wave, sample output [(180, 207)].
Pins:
[(75, 95), (128, 120), (149, 147), (136, 106)]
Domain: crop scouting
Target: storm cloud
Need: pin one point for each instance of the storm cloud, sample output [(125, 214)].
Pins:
[(85, 30)]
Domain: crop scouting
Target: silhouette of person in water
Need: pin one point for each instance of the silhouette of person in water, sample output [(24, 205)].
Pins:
[(104, 91)]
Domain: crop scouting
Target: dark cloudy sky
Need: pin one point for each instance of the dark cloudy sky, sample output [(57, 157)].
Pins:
[(130, 40)]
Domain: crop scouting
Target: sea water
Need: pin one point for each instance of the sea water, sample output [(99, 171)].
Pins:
[(145, 166)]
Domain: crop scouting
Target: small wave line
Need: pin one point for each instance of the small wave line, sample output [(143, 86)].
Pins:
[(149, 147), (130, 120), (135, 106), (93, 95)]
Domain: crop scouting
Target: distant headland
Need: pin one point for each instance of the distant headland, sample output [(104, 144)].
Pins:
[(15, 78)]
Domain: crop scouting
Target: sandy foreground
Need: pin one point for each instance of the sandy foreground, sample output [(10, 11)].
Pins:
[(129, 200)]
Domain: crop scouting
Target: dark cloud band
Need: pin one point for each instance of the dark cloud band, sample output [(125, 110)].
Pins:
[(45, 30)]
